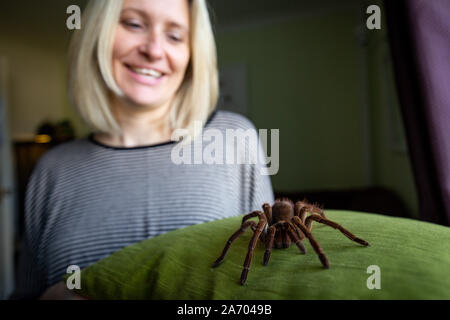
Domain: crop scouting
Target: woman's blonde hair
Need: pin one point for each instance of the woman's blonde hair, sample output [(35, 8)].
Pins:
[(91, 78)]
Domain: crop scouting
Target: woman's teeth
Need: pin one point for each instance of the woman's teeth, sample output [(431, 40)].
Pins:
[(147, 72)]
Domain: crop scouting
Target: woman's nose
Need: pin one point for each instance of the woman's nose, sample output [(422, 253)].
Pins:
[(152, 48)]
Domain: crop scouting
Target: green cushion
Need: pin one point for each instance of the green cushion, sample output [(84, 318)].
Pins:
[(413, 257)]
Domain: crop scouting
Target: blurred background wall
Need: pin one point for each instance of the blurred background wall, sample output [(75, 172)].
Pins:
[(320, 76), (34, 38)]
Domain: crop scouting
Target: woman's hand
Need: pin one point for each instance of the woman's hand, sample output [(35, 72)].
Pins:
[(59, 291)]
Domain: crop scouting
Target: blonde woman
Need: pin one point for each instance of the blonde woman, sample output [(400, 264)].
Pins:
[(139, 70)]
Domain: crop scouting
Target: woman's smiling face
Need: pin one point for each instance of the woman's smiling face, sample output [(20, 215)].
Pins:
[(151, 50)]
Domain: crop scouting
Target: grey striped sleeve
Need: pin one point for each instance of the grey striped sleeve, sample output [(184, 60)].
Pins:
[(31, 280)]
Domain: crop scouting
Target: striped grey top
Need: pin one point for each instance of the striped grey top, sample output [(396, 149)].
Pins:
[(85, 201)]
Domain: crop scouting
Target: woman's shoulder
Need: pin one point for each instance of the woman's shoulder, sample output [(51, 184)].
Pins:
[(230, 120), (62, 153)]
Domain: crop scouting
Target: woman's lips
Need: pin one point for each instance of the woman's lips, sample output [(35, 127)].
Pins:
[(145, 76)]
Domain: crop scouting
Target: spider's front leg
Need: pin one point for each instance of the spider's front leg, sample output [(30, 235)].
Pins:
[(334, 225), (245, 224), (269, 242), (251, 247), (233, 237), (302, 208), (322, 257)]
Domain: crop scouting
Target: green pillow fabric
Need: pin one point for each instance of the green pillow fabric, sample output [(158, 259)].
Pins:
[(413, 259)]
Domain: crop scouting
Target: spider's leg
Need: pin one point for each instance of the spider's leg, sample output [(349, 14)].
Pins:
[(334, 225), (251, 215), (300, 210), (300, 234), (315, 208), (256, 213), (263, 234), (293, 234), (235, 235), (269, 244), (302, 207), (251, 247), (268, 212), (322, 257)]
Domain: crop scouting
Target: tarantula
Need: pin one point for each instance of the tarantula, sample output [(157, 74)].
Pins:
[(279, 226)]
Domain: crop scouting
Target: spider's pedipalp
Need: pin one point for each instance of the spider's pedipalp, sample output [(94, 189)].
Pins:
[(286, 239), (293, 233), (278, 243)]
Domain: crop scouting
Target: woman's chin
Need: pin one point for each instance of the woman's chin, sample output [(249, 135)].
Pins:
[(143, 103)]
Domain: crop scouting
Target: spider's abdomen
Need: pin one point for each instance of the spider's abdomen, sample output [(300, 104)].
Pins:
[(282, 211)]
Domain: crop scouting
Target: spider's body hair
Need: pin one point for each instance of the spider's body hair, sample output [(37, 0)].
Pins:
[(282, 210)]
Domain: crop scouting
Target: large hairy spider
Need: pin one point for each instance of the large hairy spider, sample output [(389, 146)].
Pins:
[(279, 226)]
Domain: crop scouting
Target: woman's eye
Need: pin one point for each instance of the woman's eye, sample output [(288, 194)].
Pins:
[(175, 37), (131, 24)]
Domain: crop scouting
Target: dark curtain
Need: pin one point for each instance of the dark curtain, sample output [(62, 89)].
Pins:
[(419, 36)]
